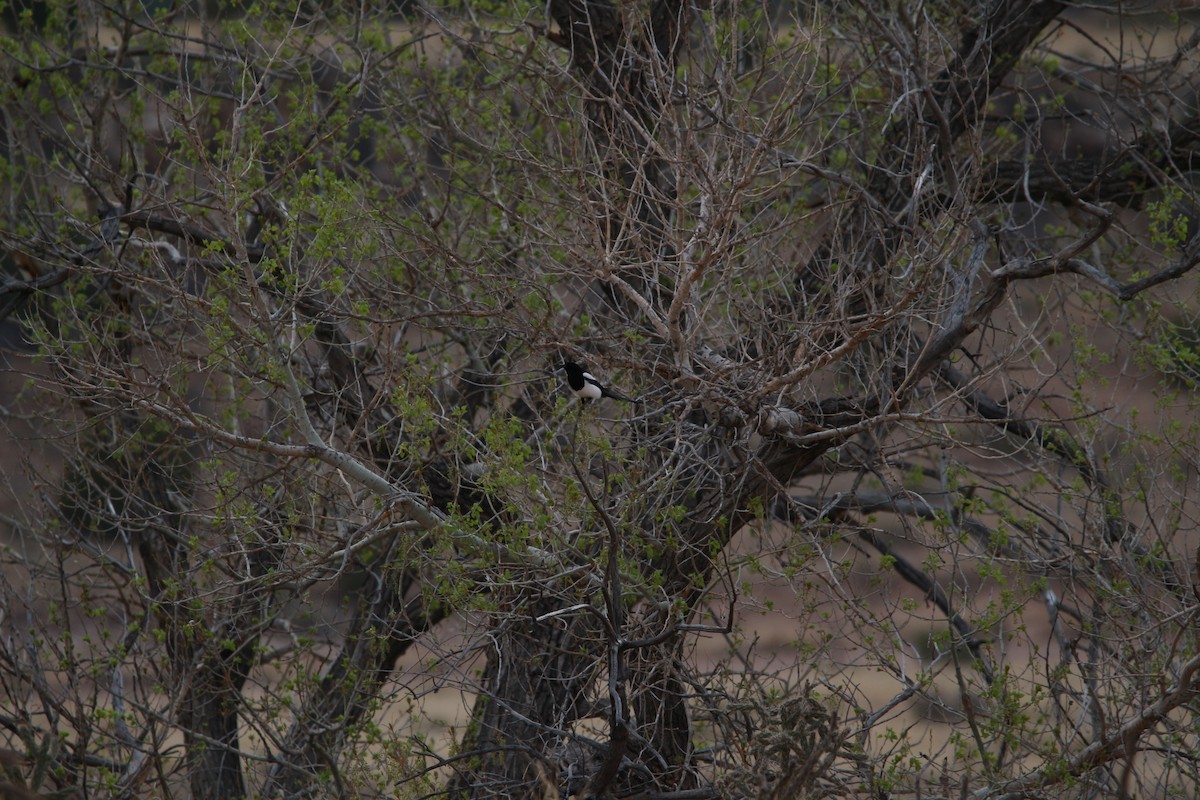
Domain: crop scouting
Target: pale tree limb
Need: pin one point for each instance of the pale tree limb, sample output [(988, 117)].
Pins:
[(1121, 743)]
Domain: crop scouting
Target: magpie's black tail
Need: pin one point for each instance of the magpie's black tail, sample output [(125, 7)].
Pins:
[(615, 395)]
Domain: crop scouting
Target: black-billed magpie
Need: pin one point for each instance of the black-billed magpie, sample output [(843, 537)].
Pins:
[(586, 387)]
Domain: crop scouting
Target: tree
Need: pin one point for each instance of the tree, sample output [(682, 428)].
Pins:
[(904, 294)]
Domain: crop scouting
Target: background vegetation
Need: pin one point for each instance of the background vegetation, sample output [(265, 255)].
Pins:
[(907, 506)]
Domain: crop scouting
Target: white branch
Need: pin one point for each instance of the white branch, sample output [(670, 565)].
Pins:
[(1100, 752)]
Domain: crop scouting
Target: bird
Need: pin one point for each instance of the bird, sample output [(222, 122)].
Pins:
[(586, 387)]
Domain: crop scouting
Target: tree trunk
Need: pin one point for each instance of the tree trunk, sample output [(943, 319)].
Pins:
[(535, 685)]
